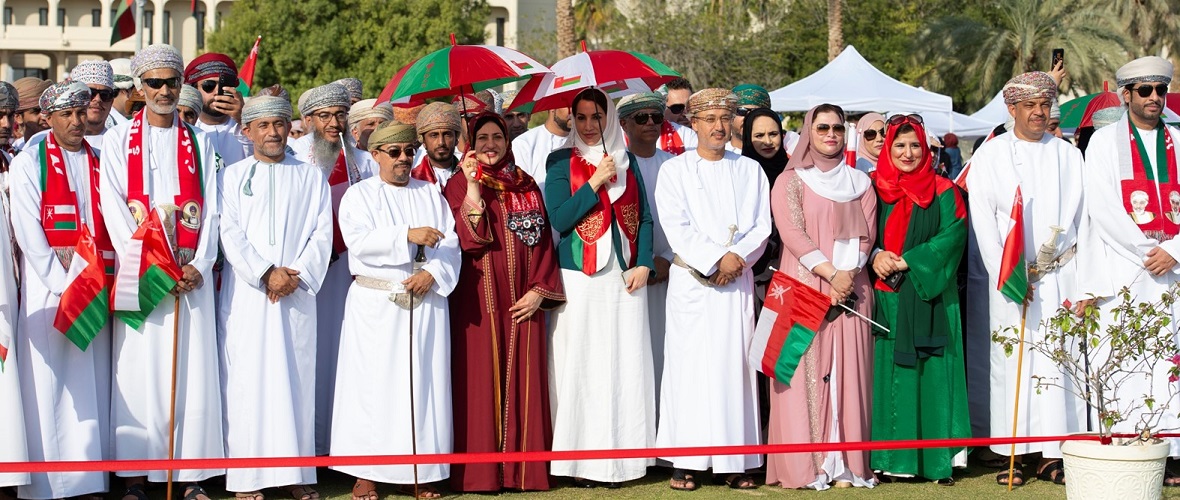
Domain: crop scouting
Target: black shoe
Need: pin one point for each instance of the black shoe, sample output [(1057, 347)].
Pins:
[(584, 483), (613, 485)]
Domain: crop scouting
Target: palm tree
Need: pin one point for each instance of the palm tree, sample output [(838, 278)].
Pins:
[(1015, 36), (592, 17), (835, 29), (565, 29)]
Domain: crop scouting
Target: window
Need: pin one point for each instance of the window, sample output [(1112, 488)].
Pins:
[(200, 30), (18, 73), (61, 17), (96, 18), (500, 30), (8, 16), (167, 35), (114, 17), (147, 27), (43, 16)]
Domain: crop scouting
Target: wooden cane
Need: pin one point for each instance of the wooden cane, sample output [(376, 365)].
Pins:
[(172, 404), (1016, 404), (413, 412)]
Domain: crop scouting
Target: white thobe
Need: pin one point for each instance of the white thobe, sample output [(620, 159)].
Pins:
[(276, 215), (68, 404), (143, 358), (376, 343), (709, 395), (687, 135), (657, 293), (227, 140), (531, 149), (1049, 174), (330, 300), (12, 432), (1119, 252)]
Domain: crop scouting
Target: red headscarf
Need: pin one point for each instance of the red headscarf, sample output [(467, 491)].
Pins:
[(893, 185)]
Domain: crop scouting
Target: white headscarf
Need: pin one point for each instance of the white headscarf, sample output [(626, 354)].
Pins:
[(612, 136)]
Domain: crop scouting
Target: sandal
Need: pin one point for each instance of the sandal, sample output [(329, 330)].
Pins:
[(135, 492), (1171, 479), (302, 492), (194, 491), (739, 481), (249, 495), (368, 490), (950, 481), (1017, 477), (1053, 472), (424, 491), (683, 480)]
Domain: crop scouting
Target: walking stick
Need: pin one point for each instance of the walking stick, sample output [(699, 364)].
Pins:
[(172, 404), (1016, 404), (419, 259)]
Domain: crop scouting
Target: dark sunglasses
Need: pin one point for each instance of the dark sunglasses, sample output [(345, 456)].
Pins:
[(824, 128), (871, 135), (210, 86), (642, 118), (676, 109), (900, 119), (106, 95), (395, 151), (744, 111), (1146, 90), (159, 83), (189, 115)]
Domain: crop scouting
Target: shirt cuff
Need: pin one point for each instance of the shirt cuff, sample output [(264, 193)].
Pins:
[(813, 259)]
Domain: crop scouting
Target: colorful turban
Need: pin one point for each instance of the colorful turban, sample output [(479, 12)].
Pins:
[(629, 105), (752, 95), (94, 73), (391, 133), (1106, 116), (1145, 69), (277, 91), (156, 56), (29, 90), (9, 98), (497, 102), (65, 95), (324, 96), (356, 89), (1054, 110), (368, 108), (209, 65), (477, 103), (707, 99), (190, 98), (408, 115), (1031, 85), (265, 106), (122, 69), (438, 115)]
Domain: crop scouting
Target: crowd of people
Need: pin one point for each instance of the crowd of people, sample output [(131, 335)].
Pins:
[(364, 279)]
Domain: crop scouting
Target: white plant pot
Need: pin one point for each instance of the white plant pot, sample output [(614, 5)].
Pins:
[(1131, 472)]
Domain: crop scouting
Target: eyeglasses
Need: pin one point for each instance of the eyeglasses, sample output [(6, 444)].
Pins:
[(1146, 90), (725, 120), (107, 95), (642, 118), (744, 111), (158, 83), (394, 152), (871, 134), (824, 128), (324, 116), (676, 109), (900, 119)]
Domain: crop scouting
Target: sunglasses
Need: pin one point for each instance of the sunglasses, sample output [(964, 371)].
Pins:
[(900, 119), (189, 115), (676, 109), (744, 111), (106, 95), (642, 118), (824, 128), (159, 83), (871, 135), (210, 86), (1146, 90), (395, 151)]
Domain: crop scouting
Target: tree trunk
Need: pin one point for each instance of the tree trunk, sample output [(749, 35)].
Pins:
[(566, 45), (835, 29)]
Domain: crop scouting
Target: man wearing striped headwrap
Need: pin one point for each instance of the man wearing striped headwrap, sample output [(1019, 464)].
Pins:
[(29, 120), (276, 234), (9, 100), (366, 116), (215, 76), (65, 374)]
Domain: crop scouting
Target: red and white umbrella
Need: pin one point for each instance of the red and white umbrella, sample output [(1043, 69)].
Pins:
[(616, 72), (459, 70)]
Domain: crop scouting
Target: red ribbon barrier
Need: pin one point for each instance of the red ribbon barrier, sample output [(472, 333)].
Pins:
[(529, 456)]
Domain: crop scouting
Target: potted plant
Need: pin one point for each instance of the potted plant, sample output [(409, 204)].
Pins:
[(1097, 360)]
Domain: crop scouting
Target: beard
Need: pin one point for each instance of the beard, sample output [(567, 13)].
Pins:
[(207, 109), (325, 152), (161, 109)]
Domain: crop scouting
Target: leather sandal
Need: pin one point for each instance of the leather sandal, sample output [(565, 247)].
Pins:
[(1053, 472), (685, 478)]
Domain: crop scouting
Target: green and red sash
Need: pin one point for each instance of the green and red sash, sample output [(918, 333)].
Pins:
[(670, 141), (190, 199), (597, 222), (1153, 183), (60, 213)]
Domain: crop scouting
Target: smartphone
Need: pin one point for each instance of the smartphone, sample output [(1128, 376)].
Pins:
[(1058, 57), (224, 82)]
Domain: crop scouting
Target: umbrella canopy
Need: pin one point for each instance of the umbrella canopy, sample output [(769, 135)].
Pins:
[(616, 72), (1078, 112), (459, 69)]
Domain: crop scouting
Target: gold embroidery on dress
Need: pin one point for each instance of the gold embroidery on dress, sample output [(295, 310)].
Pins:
[(631, 218), (810, 356), (591, 226)]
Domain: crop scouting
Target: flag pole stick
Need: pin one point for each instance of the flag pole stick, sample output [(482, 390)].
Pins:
[(1016, 403), (866, 318), (172, 403), (413, 412)]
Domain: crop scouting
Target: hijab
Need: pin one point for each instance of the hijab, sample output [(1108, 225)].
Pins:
[(827, 175), (862, 146), (611, 134), (775, 164), (522, 198)]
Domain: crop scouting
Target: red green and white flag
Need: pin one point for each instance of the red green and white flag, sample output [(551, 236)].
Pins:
[(147, 272), (124, 25), (5, 341), (790, 318), (1013, 282), (246, 73), (85, 304)]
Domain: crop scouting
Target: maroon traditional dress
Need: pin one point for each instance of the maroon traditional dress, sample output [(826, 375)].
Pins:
[(499, 368)]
